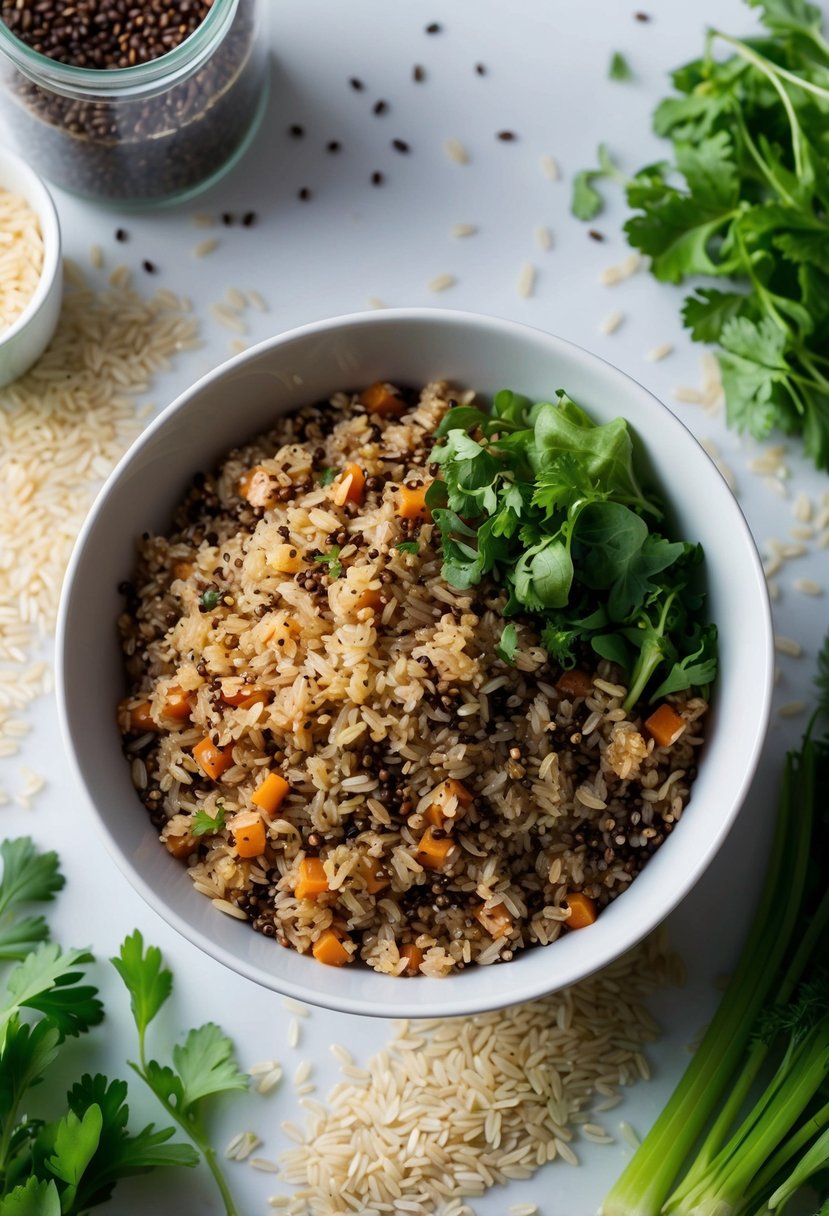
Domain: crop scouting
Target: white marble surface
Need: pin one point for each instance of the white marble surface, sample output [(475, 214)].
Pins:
[(546, 80)]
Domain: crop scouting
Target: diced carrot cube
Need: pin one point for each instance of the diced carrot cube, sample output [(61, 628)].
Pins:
[(270, 795), (583, 911), (350, 486), (212, 760), (286, 559), (138, 717), (496, 920), (329, 949), (411, 503), (665, 725), (374, 875), (248, 834), (448, 791), (413, 956), (368, 599), (244, 697), (379, 399), (432, 852), (179, 847), (177, 704), (575, 683), (312, 879)]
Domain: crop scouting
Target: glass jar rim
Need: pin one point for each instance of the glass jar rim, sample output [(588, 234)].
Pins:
[(107, 83)]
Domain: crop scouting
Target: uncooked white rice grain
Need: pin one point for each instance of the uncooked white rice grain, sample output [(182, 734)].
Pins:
[(788, 646), (807, 586), (549, 167), (303, 1072), (257, 301), (657, 353), (791, 709), (523, 1209), (229, 909), (441, 282), (263, 1164), (462, 230), (205, 247), (242, 1145), (611, 322), (688, 396), (201, 220), (302, 1011), (628, 1134), (376, 302), (293, 1033), (543, 238), (96, 257), (341, 1053), (279, 1201), (526, 281), (455, 150)]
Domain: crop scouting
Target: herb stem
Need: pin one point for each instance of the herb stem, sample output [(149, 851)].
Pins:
[(760, 161)]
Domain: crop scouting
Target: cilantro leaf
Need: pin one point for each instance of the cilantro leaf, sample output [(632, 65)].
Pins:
[(508, 644), (619, 68), (706, 313), (47, 980), (331, 559), (408, 546), (586, 202), (147, 980), (327, 476), (206, 1065), (33, 1198), (28, 877), (202, 824)]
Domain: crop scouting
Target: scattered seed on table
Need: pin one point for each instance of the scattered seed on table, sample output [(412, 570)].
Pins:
[(257, 301), (202, 220), (507, 137), (418, 73), (657, 353), (356, 84), (790, 709), (333, 145), (807, 586), (377, 178), (787, 646), (121, 235), (480, 69), (802, 532), (228, 218), (455, 150), (461, 230), (433, 28), (380, 107), (611, 322), (263, 1164), (249, 219), (293, 1033), (96, 257), (543, 238), (205, 247), (228, 319), (400, 145), (688, 396), (549, 166), (595, 235), (149, 267), (236, 299), (526, 281), (296, 131), (441, 282), (641, 16), (304, 194), (374, 302)]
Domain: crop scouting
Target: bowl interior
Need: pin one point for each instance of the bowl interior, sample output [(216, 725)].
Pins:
[(18, 178), (241, 399)]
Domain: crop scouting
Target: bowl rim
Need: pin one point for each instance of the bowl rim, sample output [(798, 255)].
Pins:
[(534, 985), (36, 194)]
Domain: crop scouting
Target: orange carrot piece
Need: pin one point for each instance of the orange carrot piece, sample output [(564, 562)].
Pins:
[(411, 503), (312, 880), (270, 795), (583, 911), (329, 949), (431, 852), (445, 793), (575, 683), (177, 704), (374, 875), (413, 956), (350, 486), (248, 835), (179, 847), (138, 716), (496, 920), (245, 697), (379, 399), (368, 599), (665, 725), (212, 760), (257, 486), (182, 569)]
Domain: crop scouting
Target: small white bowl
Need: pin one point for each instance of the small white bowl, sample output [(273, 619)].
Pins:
[(241, 399), (24, 342)]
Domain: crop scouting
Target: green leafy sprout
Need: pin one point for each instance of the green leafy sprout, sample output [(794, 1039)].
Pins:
[(619, 68), (204, 824), (548, 504), (332, 560)]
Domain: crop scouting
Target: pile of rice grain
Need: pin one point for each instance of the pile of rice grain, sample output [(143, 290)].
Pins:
[(62, 427), (21, 256), (455, 1106)]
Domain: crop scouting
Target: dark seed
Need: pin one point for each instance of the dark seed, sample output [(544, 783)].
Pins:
[(149, 267), (228, 218), (400, 145), (356, 84), (595, 235), (480, 69), (641, 16), (304, 194), (507, 136), (249, 219), (418, 73), (333, 146), (377, 179), (433, 28), (296, 131), (122, 235), (380, 107)]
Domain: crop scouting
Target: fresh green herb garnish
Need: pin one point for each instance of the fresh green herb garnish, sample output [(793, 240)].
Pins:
[(209, 599), (327, 476), (508, 644), (619, 68), (202, 824), (408, 546), (549, 505), (748, 1124), (746, 200), (587, 202), (66, 1165), (203, 1067), (332, 560)]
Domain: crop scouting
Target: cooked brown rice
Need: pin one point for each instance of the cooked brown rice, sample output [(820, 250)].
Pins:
[(452, 804)]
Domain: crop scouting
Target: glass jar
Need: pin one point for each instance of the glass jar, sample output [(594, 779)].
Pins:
[(157, 131)]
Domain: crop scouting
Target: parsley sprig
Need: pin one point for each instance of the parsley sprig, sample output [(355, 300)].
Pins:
[(203, 1067), (331, 559), (746, 200), (65, 1165), (547, 503)]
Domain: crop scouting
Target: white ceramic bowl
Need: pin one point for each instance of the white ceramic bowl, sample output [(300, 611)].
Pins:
[(24, 342), (240, 399)]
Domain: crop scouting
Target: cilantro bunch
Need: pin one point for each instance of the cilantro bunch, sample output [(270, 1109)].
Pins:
[(745, 199), (548, 504)]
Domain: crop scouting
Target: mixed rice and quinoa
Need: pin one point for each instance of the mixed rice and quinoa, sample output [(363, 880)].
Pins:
[(323, 732)]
